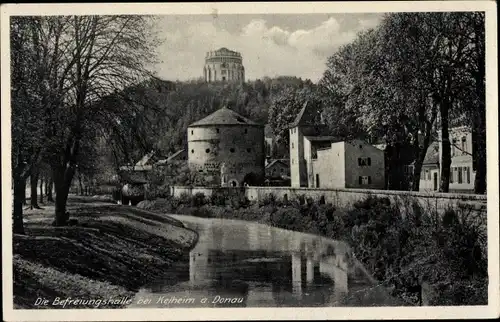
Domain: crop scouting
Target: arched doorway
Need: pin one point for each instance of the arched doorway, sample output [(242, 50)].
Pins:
[(233, 183)]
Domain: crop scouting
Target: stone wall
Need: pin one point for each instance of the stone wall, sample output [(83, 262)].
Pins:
[(346, 197), (177, 191), (239, 147)]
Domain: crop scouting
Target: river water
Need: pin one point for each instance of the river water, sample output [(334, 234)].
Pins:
[(243, 264)]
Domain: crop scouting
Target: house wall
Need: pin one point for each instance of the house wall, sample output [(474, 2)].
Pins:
[(461, 158), (330, 167), (297, 161), (427, 174), (376, 170)]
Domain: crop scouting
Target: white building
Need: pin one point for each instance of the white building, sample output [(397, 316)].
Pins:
[(322, 161), (462, 171)]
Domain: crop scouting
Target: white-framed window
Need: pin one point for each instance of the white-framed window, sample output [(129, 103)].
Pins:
[(464, 145)]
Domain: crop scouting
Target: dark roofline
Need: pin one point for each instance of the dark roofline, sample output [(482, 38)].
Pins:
[(226, 125)]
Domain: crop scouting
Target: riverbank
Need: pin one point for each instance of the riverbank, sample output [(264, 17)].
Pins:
[(107, 254), (424, 257)]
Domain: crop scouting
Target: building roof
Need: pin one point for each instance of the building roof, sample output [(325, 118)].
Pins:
[(285, 162), (432, 155), (145, 159), (323, 138), (177, 156), (224, 116), (306, 116)]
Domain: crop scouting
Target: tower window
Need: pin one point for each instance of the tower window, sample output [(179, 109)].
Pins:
[(207, 150), (191, 132), (192, 151)]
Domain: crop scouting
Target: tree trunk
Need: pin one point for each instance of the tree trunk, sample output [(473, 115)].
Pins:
[(82, 192), (41, 189), (62, 182), (50, 187), (34, 188), (445, 161), (23, 194), (480, 113), (19, 195), (422, 148)]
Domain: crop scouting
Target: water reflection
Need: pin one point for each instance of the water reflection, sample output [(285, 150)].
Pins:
[(242, 264)]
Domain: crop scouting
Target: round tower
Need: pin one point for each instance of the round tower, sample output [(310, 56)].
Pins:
[(228, 148), (223, 65)]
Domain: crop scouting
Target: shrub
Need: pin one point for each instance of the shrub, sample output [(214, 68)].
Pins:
[(184, 198), (198, 199), (269, 199), (203, 212), (218, 199)]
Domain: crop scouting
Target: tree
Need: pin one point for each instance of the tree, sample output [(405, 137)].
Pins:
[(28, 120), (285, 107), (82, 59)]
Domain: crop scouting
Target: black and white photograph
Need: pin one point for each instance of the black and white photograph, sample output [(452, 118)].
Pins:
[(250, 161)]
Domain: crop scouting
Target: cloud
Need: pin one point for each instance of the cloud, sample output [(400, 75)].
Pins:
[(267, 50)]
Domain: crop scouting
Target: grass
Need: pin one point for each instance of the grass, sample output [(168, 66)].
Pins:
[(111, 252)]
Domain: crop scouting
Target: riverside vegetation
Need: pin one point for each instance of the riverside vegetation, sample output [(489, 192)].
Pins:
[(406, 250)]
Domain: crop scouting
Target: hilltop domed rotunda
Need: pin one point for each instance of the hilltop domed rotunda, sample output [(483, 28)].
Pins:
[(223, 65)]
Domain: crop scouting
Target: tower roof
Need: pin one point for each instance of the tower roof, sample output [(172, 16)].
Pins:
[(307, 116), (224, 116)]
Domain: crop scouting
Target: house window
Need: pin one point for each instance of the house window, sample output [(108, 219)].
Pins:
[(453, 145), (232, 150), (281, 170), (360, 146), (460, 177), (468, 174), (364, 180), (248, 150), (464, 145), (192, 151), (292, 145), (207, 150), (364, 162), (451, 175), (217, 130), (427, 175), (191, 132), (292, 161)]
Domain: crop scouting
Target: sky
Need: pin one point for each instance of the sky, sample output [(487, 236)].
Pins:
[(271, 45)]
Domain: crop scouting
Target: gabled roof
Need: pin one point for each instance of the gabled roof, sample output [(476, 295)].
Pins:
[(285, 162), (224, 116), (145, 159), (432, 155), (306, 116)]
